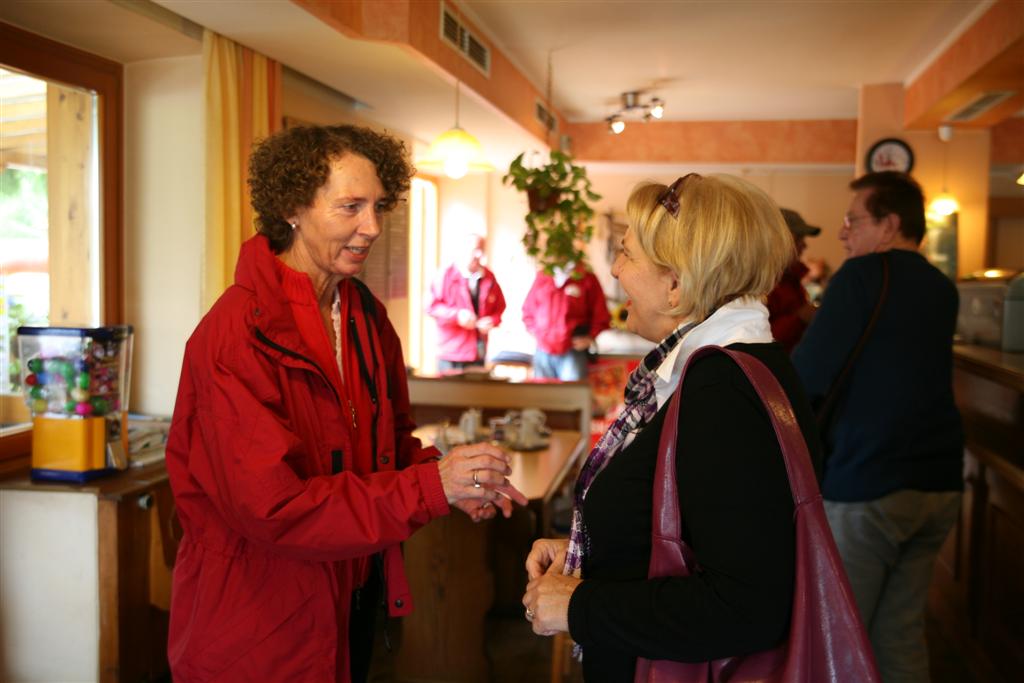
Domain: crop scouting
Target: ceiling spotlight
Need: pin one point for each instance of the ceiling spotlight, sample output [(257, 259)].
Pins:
[(657, 108), (634, 108)]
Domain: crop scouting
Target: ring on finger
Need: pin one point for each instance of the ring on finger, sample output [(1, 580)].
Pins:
[(476, 482)]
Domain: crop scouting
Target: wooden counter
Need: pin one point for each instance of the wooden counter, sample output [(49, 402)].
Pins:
[(87, 573), (537, 473), (457, 569), (977, 592)]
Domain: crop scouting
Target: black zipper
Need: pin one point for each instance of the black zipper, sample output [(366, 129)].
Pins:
[(365, 372), (295, 354)]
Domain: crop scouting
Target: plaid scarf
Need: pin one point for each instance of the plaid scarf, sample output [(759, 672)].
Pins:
[(641, 406)]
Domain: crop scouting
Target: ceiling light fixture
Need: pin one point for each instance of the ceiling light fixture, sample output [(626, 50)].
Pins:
[(633, 107), (455, 152), (945, 204)]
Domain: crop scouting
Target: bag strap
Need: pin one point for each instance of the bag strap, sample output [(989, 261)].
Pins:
[(666, 522), (826, 412)]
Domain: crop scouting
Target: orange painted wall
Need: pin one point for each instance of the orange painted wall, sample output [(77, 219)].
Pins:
[(415, 25), (964, 161), (992, 34), (832, 141), (1008, 142)]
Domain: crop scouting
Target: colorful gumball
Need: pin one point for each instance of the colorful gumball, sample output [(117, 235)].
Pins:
[(31, 380), (69, 407), (99, 405), (83, 409), (39, 405), (80, 395), (35, 365), (82, 381), (36, 392), (43, 377)]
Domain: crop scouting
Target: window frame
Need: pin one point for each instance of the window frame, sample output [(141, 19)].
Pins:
[(49, 59)]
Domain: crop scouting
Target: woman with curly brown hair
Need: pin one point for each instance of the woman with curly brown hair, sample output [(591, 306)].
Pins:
[(291, 455)]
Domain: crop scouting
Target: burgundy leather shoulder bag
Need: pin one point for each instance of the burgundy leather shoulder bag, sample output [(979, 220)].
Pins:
[(827, 642)]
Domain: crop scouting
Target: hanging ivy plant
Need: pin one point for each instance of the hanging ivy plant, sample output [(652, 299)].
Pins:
[(560, 215)]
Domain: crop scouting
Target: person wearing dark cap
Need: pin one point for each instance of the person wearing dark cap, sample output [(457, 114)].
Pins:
[(789, 308)]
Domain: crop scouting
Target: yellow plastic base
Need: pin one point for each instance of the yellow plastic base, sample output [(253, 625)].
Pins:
[(72, 445)]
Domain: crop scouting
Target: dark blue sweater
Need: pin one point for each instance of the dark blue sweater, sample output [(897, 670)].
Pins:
[(897, 426)]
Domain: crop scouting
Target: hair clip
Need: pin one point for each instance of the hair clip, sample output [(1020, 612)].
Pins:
[(670, 197)]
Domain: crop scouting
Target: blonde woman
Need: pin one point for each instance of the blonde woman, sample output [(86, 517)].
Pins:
[(697, 261)]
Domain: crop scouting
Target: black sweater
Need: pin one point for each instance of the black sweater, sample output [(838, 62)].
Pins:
[(737, 512), (896, 424)]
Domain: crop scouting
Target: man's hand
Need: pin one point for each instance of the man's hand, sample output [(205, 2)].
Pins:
[(582, 343), (466, 319)]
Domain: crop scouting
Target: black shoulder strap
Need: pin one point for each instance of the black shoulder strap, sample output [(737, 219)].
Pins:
[(827, 411), (370, 311), (366, 297)]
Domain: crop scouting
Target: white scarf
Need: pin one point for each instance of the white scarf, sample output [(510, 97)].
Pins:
[(741, 321)]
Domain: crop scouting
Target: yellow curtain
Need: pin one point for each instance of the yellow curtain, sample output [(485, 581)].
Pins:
[(243, 104)]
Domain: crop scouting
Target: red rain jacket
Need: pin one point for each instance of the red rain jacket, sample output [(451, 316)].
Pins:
[(551, 313), (784, 304), (451, 294), (275, 512)]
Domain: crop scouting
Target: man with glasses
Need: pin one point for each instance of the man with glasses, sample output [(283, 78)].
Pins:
[(879, 351)]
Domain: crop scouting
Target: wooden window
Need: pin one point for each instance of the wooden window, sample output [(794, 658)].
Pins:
[(61, 141)]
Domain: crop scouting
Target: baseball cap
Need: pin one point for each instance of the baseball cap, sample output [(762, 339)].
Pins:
[(797, 225)]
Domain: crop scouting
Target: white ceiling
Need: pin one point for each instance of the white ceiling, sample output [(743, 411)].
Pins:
[(734, 59), (715, 60), (103, 27)]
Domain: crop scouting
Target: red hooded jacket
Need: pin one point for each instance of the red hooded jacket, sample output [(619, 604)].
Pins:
[(268, 471), (451, 294), (551, 314)]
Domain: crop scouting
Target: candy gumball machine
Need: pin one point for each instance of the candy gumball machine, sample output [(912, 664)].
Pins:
[(76, 385)]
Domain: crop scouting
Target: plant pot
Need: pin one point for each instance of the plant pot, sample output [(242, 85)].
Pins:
[(539, 204)]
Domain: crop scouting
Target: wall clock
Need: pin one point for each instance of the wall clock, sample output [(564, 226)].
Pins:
[(890, 154)]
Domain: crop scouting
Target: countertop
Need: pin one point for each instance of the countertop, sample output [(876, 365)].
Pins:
[(1005, 368), (110, 487)]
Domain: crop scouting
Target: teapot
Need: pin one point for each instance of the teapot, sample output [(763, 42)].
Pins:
[(469, 423), (531, 425)]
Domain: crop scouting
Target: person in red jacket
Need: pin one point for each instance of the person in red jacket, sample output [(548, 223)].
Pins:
[(564, 312), (467, 304), (291, 456), (789, 308)]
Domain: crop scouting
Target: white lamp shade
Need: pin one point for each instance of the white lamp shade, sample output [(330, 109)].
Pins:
[(455, 153), (944, 204)]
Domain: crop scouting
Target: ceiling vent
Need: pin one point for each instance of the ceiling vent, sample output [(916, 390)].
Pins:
[(462, 39), (546, 118), (980, 105)]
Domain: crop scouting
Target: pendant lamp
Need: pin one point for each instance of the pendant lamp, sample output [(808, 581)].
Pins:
[(944, 204), (455, 152)]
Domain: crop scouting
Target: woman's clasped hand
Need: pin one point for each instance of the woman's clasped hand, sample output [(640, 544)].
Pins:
[(475, 480), (547, 594)]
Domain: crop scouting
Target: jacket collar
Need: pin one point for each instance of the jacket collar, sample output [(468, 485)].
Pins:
[(269, 311)]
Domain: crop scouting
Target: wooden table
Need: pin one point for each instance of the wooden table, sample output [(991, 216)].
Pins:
[(454, 565)]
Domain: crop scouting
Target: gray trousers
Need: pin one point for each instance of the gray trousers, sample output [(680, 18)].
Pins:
[(889, 547)]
